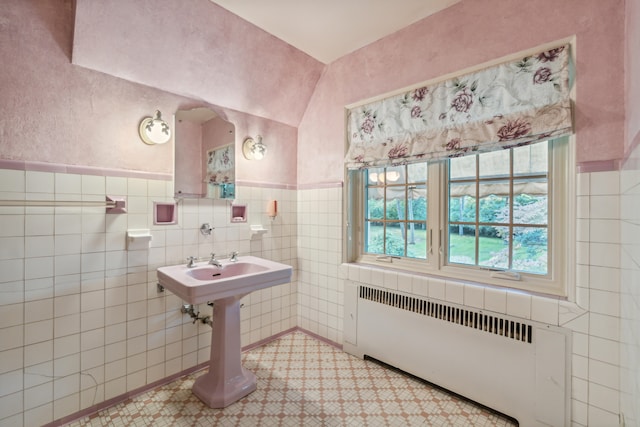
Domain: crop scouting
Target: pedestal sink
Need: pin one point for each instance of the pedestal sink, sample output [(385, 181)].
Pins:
[(227, 380)]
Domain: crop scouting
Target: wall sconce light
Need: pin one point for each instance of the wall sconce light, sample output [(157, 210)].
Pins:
[(253, 148), (154, 130)]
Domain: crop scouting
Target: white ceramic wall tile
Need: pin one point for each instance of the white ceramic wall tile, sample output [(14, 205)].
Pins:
[(11, 315), (604, 231), (38, 395), (604, 255), (68, 224), (495, 300), (604, 207), (604, 302), (454, 292), (93, 184), (12, 247), (11, 360), (12, 225), (583, 184), (544, 310), (38, 332), (66, 325), (12, 181), (604, 350), (66, 346), (38, 353), (39, 182), (38, 310), (12, 337), (519, 305), (605, 183), (68, 184), (10, 405), (436, 288), (11, 270), (11, 382)]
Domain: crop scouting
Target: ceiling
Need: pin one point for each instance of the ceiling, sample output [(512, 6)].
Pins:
[(329, 29)]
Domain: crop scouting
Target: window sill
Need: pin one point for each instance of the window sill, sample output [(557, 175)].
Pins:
[(527, 305)]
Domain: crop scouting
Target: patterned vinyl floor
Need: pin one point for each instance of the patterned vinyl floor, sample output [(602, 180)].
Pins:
[(304, 382)]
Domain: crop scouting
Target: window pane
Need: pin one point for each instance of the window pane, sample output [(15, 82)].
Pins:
[(374, 203), (531, 159), (462, 167), (417, 202), (530, 254), (394, 175), (494, 164), (373, 175), (462, 208), (394, 239), (462, 244), (374, 240), (417, 240), (530, 205), (494, 208), (493, 247), (396, 205), (417, 173)]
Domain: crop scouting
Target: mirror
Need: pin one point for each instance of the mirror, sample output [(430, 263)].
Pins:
[(204, 155)]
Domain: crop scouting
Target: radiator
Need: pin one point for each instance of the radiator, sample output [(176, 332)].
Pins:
[(516, 367)]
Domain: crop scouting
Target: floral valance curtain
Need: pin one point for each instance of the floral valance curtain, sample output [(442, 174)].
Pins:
[(221, 165), (511, 104)]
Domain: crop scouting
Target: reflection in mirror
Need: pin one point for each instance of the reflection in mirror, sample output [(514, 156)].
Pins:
[(204, 155)]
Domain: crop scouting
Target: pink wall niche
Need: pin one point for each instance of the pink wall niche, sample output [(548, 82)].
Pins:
[(463, 36)]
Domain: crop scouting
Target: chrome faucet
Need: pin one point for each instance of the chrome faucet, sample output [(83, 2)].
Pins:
[(234, 256), (192, 261), (214, 261)]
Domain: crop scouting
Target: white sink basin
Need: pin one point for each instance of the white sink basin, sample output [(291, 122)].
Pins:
[(206, 282)]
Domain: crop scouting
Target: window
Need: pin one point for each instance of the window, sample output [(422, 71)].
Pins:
[(496, 218)]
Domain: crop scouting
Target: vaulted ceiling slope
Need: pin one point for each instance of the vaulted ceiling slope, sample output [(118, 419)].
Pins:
[(330, 29), (196, 49)]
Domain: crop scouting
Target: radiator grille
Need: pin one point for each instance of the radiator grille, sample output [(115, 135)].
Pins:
[(471, 319)]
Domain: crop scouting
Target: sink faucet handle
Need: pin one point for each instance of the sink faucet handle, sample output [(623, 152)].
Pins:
[(192, 261), (213, 256), (234, 256)]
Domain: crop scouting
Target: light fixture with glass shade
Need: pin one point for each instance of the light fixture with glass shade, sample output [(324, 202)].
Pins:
[(253, 148), (154, 130)]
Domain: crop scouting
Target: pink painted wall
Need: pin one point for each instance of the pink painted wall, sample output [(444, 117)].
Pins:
[(197, 49), (279, 165), (52, 111), (467, 34)]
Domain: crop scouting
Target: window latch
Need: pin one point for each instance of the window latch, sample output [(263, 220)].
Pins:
[(502, 274)]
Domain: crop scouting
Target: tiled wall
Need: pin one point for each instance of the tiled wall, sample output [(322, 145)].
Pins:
[(593, 318), (320, 288), (630, 290), (81, 320)]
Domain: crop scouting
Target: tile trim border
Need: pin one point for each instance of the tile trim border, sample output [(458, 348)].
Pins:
[(81, 170)]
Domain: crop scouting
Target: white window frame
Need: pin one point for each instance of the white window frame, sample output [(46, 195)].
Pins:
[(561, 230)]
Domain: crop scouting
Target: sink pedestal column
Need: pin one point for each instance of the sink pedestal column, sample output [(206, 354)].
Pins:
[(227, 381)]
